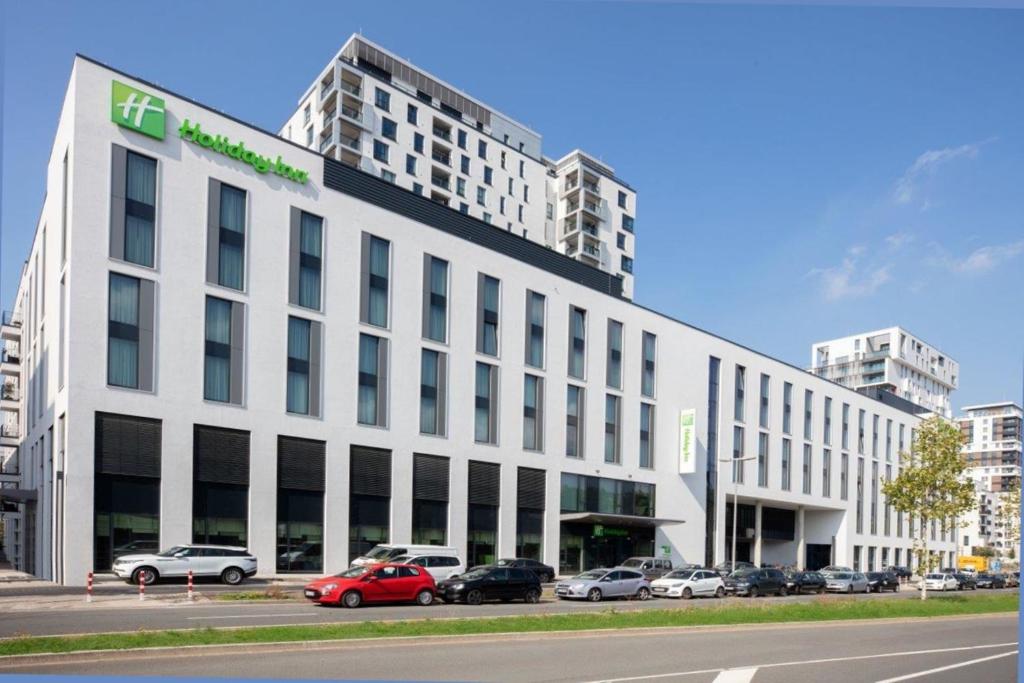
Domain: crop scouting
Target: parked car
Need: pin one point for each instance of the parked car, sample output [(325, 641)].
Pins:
[(726, 568), (597, 584), (965, 581), (835, 568), (231, 563), (491, 582), (387, 552), (440, 567), (301, 558), (1013, 580), (687, 583), (376, 583), (805, 582), (846, 582), (937, 581), (900, 572), (755, 582), (991, 581), (651, 567), (883, 581), (544, 572)]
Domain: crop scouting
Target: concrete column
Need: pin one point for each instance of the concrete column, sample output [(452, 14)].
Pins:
[(757, 533), (801, 541)]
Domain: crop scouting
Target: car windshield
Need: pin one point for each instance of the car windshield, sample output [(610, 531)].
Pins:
[(740, 573), (842, 576), (504, 563), (680, 574), (934, 576), (172, 551), (380, 552), (477, 573), (353, 573), (632, 563), (592, 575)]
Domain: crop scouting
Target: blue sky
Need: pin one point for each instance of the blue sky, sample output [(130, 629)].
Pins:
[(804, 172)]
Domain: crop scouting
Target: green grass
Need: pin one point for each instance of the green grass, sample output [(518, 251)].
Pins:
[(733, 612), (245, 596)]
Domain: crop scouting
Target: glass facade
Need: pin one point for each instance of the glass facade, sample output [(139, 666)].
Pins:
[(220, 513), (611, 429), (574, 421), (577, 341), (127, 517), (298, 366), (310, 260), (123, 332), (300, 531), (489, 301), (535, 329), (646, 435), (140, 209), (437, 300), (647, 365), (231, 248), (614, 366), (217, 367)]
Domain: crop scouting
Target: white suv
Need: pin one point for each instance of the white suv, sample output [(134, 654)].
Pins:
[(231, 563), (441, 567)]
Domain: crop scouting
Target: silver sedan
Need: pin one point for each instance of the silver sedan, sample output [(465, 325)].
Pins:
[(846, 582), (597, 584)]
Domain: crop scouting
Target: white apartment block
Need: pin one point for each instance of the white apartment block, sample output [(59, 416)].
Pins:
[(992, 449), (374, 111), (228, 337), (890, 360)]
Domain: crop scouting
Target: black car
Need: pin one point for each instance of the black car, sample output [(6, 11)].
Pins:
[(545, 573), (805, 582), (490, 582), (965, 581), (991, 581), (901, 572), (883, 581), (755, 582)]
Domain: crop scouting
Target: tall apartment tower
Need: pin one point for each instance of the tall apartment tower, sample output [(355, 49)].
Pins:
[(374, 111), (10, 435), (992, 449), (890, 361)]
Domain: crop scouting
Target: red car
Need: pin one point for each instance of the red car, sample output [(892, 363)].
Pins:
[(376, 583)]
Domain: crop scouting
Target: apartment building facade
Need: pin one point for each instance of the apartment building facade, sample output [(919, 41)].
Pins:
[(890, 360), (230, 338), (992, 450), (372, 110)]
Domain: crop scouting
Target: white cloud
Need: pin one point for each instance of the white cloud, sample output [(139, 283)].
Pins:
[(898, 240), (982, 259), (926, 165), (849, 279)]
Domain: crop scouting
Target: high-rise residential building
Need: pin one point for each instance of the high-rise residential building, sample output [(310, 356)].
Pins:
[(10, 436), (372, 110), (890, 361), (992, 451)]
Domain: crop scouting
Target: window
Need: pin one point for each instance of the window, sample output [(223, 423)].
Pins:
[(611, 429), (482, 513), (380, 151), (860, 496), (530, 513), (486, 409), (303, 367), (511, 190), (412, 114), (888, 508), (520, 219), (888, 440), (417, 142), (463, 208), (737, 454), (383, 99), (826, 473), (430, 484), (136, 243), (305, 259), (762, 419), (874, 497), (488, 174), (620, 240), (533, 413), (464, 164), (874, 436), (461, 138), (626, 264), (808, 403), (807, 468), (787, 408), (646, 435), (373, 380), (535, 304), (844, 476), (614, 366), (574, 422), (647, 365), (388, 128), (222, 360), (577, 342), (481, 196), (410, 164), (846, 426), (522, 168), (309, 136), (129, 332), (300, 504), (827, 428), (622, 199), (481, 149), (306, 114), (762, 459), (220, 486), (387, 175), (433, 392), (627, 223), (860, 432), (373, 297), (487, 217), (417, 188), (787, 467), (435, 298), (369, 519), (64, 209), (526, 193), (488, 298), (460, 187), (226, 258), (741, 375)]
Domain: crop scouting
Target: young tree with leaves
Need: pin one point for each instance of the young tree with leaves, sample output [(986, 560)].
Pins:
[(1008, 515), (931, 484)]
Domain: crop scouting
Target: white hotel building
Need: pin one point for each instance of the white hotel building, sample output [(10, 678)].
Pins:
[(207, 352)]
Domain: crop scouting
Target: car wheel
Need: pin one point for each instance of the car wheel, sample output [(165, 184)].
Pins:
[(532, 596), (425, 597), (644, 593), (797, 590), (352, 599), (719, 592), (849, 589), (752, 593), (474, 597), (594, 595), (687, 593), (232, 576), (783, 592), (144, 575)]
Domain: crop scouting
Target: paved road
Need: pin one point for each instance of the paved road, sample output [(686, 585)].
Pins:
[(945, 650), (156, 615)]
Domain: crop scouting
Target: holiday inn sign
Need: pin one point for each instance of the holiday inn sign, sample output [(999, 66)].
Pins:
[(139, 111)]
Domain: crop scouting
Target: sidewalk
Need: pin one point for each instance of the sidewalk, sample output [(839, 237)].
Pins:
[(10, 575)]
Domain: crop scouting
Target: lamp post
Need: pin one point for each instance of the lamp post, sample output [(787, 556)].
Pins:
[(735, 501)]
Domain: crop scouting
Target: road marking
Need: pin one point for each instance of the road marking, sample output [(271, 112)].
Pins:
[(947, 668), (253, 616), (736, 675)]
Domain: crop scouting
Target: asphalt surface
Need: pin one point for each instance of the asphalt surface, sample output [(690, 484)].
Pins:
[(156, 615), (945, 650)]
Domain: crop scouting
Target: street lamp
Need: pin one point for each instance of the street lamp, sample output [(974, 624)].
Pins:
[(735, 501)]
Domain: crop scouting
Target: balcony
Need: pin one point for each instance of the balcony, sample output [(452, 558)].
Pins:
[(590, 229), (10, 392), (441, 181), (441, 157), (349, 142), (571, 184), (570, 225), (592, 208), (440, 199), (591, 186), (351, 88), (591, 252), (10, 430), (327, 93), (327, 143), (328, 119), (444, 134), (352, 113)]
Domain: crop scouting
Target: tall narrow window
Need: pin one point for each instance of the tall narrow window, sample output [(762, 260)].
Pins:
[(826, 473), (133, 208), (306, 260), (827, 427), (430, 484), (807, 468), (874, 497), (435, 298), (574, 422), (577, 341), (535, 329), (787, 464), (611, 429), (888, 508), (64, 209), (888, 440), (433, 394), (123, 332), (231, 238), (372, 399), (741, 374), (762, 459), (787, 408), (808, 413), (646, 435), (711, 478), (649, 352), (860, 496), (375, 281), (614, 369), (303, 389), (488, 300), (874, 436), (860, 431), (533, 413), (737, 454), (762, 418), (217, 378), (486, 421), (844, 476), (846, 427)]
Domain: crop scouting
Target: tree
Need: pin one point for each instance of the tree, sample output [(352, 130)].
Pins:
[(1008, 516), (930, 484)]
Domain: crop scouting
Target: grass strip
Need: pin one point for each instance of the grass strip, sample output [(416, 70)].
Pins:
[(759, 612), (248, 596)]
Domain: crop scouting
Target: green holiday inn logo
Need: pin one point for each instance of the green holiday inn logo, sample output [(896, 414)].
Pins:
[(139, 111)]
